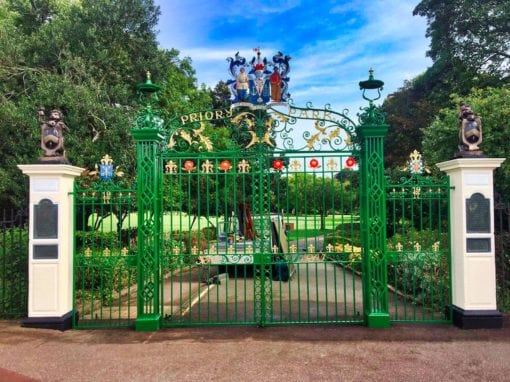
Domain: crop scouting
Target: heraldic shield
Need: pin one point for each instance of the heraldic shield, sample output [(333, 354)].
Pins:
[(258, 82)]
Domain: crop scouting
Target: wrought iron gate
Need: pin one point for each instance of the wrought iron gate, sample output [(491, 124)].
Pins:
[(265, 215), (264, 233)]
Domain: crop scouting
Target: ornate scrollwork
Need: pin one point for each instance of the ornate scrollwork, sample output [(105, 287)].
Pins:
[(330, 130), (371, 115), (190, 137)]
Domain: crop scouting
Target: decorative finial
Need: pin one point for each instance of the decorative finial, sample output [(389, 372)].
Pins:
[(371, 84)]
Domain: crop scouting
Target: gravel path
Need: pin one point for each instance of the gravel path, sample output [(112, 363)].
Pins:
[(299, 353)]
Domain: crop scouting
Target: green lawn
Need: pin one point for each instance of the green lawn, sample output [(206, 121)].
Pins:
[(302, 225)]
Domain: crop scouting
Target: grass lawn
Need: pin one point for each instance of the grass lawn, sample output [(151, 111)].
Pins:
[(302, 225)]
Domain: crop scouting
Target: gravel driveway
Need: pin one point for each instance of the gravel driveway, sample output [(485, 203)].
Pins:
[(298, 353)]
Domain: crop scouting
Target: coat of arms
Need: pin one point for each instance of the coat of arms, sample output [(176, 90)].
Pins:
[(259, 82)]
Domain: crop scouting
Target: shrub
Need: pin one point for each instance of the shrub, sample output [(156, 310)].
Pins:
[(503, 270)]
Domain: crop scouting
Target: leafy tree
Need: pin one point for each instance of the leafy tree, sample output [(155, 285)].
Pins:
[(309, 194), (475, 32), (491, 104), (83, 58)]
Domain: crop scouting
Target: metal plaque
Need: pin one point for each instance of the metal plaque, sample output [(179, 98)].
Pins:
[(45, 252), (46, 220), (478, 245), (478, 215)]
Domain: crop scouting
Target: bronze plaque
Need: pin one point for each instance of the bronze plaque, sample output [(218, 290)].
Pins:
[(478, 214), (46, 220), (45, 252), (478, 245)]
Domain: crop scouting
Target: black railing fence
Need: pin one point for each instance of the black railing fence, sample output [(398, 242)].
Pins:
[(13, 263)]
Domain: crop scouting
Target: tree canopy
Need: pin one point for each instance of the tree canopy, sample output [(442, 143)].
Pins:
[(475, 32), (470, 50), (83, 57)]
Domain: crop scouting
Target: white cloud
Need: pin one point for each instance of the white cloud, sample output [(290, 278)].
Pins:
[(391, 40)]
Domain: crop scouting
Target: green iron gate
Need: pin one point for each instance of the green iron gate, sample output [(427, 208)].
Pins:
[(265, 215), (260, 234)]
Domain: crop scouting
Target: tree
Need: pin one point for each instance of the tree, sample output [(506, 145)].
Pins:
[(310, 194), (491, 104), (84, 58), (475, 32)]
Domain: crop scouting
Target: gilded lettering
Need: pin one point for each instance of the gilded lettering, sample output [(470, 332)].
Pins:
[(304, 114), (315, 114), (184, 119), (193, 117), (229, 113), (209, 115), (327, 116), (292, 111), (219, 114)]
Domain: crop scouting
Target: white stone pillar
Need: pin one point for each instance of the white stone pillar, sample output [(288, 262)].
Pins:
[(50, 263), (472, 242)]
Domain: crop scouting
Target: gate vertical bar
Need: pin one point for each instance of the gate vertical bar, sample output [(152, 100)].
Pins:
[(262, 278), (148, 137), (373, 209)]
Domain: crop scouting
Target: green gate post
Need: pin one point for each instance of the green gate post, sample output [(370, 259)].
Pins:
[(149, 137), (373, 209)]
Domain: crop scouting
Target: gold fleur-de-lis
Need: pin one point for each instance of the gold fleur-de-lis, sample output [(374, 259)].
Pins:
[(106, 252), (293, 248), (124, 251), (331, 164), (207, 166), (88, 252), (243, 166), (435, 246), (417, 247), (171, 167), (399, 247), (275, 249), (295, 165), (330, 248)]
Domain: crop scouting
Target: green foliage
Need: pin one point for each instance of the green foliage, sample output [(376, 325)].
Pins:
[(83, 58), (421, 277), (310, 194), (491, 104), (13, 272), (475, 32), (502, 240)]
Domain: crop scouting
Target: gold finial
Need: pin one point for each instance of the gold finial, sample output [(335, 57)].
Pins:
[(148, 75)]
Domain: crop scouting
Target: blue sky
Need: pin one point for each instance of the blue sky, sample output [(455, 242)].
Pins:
[(332, 43)]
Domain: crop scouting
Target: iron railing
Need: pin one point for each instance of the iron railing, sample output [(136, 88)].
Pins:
[(418, 249), (13, 263), (104, 257)]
